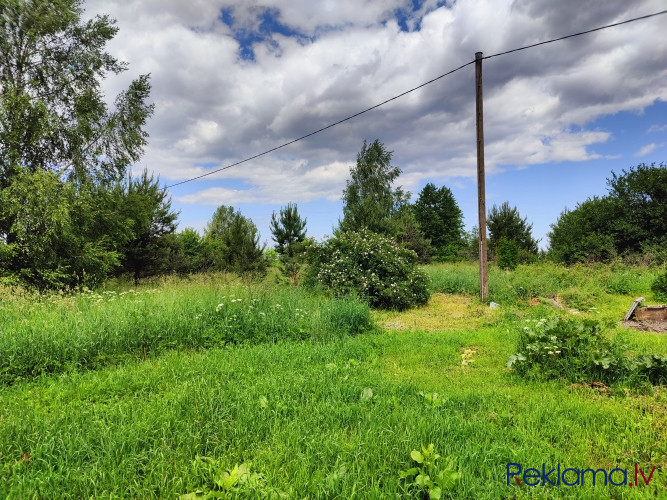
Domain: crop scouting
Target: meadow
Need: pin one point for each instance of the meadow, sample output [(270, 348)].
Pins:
[(254, 390)]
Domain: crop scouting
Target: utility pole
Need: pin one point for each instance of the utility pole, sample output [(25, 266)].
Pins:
[(481, 189)]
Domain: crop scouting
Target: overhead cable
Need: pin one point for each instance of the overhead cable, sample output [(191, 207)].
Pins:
[(412, 90)]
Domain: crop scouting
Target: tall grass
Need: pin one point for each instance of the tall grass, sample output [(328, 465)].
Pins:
[(577, 286), (52, 334)]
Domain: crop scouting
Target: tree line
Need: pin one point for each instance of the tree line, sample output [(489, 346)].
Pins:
[(72, 213)]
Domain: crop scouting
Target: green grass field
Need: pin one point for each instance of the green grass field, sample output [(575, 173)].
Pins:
[(145, 382)]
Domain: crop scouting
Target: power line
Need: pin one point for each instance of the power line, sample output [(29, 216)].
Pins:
[(412, 90), (577, 34), (324, 128)]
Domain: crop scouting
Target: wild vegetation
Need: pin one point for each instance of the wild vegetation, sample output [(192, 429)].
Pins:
[(141, 362), (308, 405)]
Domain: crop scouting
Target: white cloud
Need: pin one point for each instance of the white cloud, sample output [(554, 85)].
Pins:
[(649, 148), (214, 108), (657, 128)]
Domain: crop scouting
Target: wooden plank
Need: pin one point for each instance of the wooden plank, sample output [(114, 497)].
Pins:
[(634, 305)]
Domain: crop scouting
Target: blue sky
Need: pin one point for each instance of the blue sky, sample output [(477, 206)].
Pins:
[(234, 78)]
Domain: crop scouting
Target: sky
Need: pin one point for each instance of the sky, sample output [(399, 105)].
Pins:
[(234, 78)]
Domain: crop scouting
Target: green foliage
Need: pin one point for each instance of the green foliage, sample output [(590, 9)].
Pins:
[(508, 254), (506, 222), (188, 258), (56, 334), (289, 233), (62, 149), (408, 233), (368, 198), (223, 483), (440, 219), (652, 367), (630, 219), (372, 267), (429, 477), (575, 350), (59, 235), (558, 348), (54, 113), (287, 228), (232, 243), (659, 287), (432, 399), (584, 234), (147, 207)]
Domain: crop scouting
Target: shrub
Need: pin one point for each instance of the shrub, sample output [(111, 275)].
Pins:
[(659, 287), (578, 351), (372, 267), (560, 347)]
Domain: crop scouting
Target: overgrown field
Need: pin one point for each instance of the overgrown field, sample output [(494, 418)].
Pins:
[(316, 402)]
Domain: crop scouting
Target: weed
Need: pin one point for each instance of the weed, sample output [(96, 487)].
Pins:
[(224, 483), (430, 477), (432, 399)]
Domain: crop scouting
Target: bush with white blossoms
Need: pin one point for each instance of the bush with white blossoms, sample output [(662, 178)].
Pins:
[(372, 267)]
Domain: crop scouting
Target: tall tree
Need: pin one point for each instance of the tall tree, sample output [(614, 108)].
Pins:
[(631, 218), (289, 232), (54, 114), (147, 208), (62, 150), (640, 195), (369, 199), (440, 218), (232, 243), (62, 234), (506, 222)]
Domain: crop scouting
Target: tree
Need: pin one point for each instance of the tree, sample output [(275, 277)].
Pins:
[(62, 150), (584, 234), (630, 219), (641, 199), (369, 201), (60, 235), (52, 109), (148, 209), (506, 222), (289, 233), (232, 243), (408, 232), (440, 218), (190, 248)]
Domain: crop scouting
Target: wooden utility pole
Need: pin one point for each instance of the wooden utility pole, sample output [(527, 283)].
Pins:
[(481, 190)]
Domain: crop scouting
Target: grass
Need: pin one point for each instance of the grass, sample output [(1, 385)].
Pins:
[(55, 334), (580, 287), (333, 419)]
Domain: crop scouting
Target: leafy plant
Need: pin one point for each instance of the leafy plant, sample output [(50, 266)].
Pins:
[(576, 350), (224, 483), (432, 399), (508, 254), (659, 287), (430, 477), (371, 266), (558, 347), (651, 366)]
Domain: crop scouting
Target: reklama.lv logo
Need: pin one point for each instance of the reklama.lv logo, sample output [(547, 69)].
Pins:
[(574, 477)]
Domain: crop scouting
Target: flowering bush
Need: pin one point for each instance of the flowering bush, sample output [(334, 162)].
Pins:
[(372, 267)]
